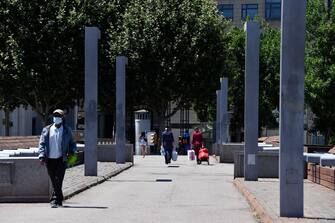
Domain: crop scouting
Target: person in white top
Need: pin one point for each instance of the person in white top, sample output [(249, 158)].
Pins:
[(55, 141), (56, 144), (143, 143)]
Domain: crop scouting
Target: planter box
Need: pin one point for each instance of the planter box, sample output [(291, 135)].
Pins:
[(324, 176), (23, 179)]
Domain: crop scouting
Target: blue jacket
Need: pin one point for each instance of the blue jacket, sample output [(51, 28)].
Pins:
[(167, 140), (68, 145)]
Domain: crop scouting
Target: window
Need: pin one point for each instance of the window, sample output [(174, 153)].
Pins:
[(273, 9), (249, 10), (227, 10)]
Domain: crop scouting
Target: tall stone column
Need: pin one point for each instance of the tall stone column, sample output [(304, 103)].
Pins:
[(251, 101), (92, 34), (121, 63), (218, 112), (224, 110), (292, 108)]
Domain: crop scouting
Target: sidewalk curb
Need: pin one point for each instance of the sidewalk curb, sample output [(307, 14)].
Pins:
[(100, 180), (255, 205)]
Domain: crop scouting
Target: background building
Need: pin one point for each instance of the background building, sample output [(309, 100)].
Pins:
[(239, 10)]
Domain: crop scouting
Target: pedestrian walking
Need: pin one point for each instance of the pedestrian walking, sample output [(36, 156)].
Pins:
[(180, 145), (168, 144), (197, 142), (55, 145), (143, 143), (186, 141)]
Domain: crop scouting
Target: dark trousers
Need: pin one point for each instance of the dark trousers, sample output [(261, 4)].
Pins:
[(56, 170), (168, 155)]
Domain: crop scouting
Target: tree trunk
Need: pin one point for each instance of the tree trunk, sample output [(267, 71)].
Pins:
[(161, 121), (7, 122), (44, 118)]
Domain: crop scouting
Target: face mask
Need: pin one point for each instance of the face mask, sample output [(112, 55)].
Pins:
[(57, 120)]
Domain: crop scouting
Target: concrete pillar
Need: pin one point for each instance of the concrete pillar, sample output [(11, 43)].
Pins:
[(292, 108), (218, 112), (224, 110), (121, 63), (251, 100), (92, 34)]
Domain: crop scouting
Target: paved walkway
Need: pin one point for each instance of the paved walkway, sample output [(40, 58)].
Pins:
[(148, 192), (75, 181), (319, 201)]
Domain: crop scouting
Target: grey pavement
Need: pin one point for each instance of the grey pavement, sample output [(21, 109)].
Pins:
[(319, 201), (187, 192), (75, 181)]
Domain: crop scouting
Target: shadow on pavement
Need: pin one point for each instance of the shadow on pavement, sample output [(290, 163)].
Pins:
[(320, 218), (91, 207), (137, 181)]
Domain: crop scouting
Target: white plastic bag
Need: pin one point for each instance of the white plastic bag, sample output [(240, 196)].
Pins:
[(174, 155), (191, 154), (162, 151)]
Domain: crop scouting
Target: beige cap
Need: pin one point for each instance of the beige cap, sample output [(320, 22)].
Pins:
[(59, 111)]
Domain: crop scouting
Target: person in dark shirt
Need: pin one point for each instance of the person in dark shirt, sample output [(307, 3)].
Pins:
[(55, 145), (186, 141), (168, 144)]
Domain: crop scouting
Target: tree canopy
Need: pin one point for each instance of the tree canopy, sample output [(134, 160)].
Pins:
[(320, 66), (44, 55), (175, 50)]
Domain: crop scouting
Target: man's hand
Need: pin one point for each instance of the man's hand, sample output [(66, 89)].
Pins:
[(42, 161)]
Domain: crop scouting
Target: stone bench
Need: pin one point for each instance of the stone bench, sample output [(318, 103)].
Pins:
[(268, 148), (267, 164), (227, 150), (23, 179), (324, 159), (312, 157), (327, 160)]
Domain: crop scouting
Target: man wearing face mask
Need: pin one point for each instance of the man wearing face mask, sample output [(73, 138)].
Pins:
[(56, 143)]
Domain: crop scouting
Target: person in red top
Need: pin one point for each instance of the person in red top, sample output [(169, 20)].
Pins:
[(197, 141)]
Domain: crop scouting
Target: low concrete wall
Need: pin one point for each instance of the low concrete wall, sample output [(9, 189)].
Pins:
[(215, 149), (267, 164), (226, 151), (106, 152), (23, 179)]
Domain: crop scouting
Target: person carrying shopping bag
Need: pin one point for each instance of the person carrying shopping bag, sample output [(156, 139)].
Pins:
[(197, 142), (168, 144)]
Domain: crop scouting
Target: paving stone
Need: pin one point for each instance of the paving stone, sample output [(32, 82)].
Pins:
[(319, 201), (75, 181)]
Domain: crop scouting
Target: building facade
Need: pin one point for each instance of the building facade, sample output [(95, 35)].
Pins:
[(240, 10), (24, 121)]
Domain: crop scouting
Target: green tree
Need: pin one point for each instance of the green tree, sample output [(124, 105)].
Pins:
[(268, 77), (172, 47), (45, 47), (234, 68), (42, 51), (320, 66)]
